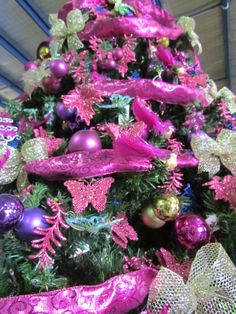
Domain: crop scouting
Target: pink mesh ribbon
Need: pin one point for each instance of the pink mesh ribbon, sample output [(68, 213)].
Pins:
[(149, 89), (117, 295)]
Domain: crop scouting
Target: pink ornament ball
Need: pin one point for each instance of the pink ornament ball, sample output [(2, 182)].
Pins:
[(192, 231), (51, 84), (30, 65), (59, 68), (85, 140)]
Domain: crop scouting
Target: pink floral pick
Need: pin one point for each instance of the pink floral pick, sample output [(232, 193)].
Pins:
[(50, 235), (174, 184), (80, 73), (193, 81), (123, 231), (53, 143), (94, 193), (225, 189), (166, 259), (136, 129), (136, 263), (83, 98)]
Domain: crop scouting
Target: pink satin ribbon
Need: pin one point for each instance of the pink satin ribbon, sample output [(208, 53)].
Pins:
[(118, 295)]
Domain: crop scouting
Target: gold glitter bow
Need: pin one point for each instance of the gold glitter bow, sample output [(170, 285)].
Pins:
[(210, 152), (211, 287), (188, 24), (35, 149), (61, 31)]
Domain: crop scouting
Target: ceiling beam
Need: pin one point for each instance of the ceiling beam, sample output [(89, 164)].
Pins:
[(35, 15), (8, 83), (227, 38), (158, 2), (19, 55)]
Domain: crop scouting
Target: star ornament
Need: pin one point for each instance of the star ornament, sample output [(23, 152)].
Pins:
[(83, 98)]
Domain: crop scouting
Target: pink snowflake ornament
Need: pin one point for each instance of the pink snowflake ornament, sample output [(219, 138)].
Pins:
[(83, 194)]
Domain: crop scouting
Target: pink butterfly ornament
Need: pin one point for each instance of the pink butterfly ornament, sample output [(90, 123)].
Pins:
[(94, 193)]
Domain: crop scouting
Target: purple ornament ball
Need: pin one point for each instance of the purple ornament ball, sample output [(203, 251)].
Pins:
[(59, 68), (30, 65), (192, 231), (51, 84), (32, 218), (109, 64), (85, 140), (11, 211), (64, 113)]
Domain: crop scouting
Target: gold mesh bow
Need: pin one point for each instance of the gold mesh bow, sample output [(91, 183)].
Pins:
[(188, 24), (62, 31), (210, 152), (35, 149), (211, 288)]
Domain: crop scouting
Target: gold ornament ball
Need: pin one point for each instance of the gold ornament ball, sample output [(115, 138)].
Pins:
[(180, 71), (149, 218), (167, 207), (44, 52), (164, 41)]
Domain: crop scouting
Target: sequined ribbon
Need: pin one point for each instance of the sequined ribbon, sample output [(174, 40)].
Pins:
[(62, 31), (188, 24), (211, 287), (211, 152), (12, 168)]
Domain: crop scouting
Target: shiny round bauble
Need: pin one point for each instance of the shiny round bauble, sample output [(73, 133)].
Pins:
[(117, 54), (180, 70), (30, 65), (43, 50), (32, 218), (149, 218), (164, 41), (85, 140), (192, 231), (51, 84), (65, 114), (167, 207), (107, 64), (11, 211), (58, 68)]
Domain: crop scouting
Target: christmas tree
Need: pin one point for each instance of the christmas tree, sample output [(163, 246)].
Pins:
[(118, 166)]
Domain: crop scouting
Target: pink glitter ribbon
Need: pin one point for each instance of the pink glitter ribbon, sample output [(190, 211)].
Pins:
[(149, 89), (118, 295), (150, 21), (5, 158)]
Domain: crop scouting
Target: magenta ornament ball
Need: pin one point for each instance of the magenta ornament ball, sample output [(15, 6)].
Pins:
[(64, 113), (85, 140), (30, 65), (117, 54), (31, 219), (192, 231), (59, 68), (11, 211), (51, 84)]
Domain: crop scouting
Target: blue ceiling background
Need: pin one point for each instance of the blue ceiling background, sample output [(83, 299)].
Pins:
[(24, 24)]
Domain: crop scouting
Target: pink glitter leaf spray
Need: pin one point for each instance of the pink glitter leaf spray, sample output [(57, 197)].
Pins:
[(94, 193), (51, 235), (224, 189)]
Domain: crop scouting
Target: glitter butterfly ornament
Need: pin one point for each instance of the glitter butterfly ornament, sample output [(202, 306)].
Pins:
[(85, 193)]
